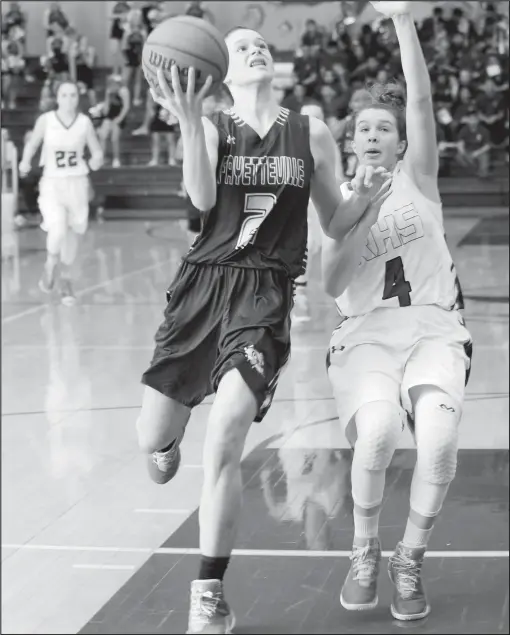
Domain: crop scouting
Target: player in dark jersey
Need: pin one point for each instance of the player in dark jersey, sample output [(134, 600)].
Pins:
[(250, 171)]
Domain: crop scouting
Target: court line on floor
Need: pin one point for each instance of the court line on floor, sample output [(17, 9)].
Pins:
[(271, 553), (469, 397), (79, 294)]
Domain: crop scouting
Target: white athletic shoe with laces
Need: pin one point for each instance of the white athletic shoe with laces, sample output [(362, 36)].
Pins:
[(209, 612)]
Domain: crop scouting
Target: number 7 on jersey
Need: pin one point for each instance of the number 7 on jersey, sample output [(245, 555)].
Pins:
[(256, 209)]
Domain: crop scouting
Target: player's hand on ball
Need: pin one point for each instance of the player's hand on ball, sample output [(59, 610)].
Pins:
[(186, 106), (390, 9)]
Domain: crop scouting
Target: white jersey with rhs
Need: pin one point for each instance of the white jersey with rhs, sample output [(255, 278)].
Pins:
[(63, 151), (406, 261)]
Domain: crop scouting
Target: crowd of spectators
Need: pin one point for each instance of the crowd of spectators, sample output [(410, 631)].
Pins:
[(468, 64)]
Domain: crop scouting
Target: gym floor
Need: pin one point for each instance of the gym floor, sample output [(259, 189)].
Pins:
[(91, 545)]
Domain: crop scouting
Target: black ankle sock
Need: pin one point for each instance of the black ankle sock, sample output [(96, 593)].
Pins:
[(168, 447), (212, 568)]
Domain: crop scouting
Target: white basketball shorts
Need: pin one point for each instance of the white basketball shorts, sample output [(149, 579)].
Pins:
[(64, 201), (380, 356)]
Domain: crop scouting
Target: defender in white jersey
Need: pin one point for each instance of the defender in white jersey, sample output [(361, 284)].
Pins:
[(402, 351), (64, 186)]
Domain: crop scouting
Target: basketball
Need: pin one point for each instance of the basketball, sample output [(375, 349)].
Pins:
[(186, 42)]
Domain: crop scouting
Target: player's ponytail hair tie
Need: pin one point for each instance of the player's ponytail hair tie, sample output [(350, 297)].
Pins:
[(391, 95)]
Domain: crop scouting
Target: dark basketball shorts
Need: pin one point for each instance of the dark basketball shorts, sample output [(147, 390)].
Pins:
[(219, 318)]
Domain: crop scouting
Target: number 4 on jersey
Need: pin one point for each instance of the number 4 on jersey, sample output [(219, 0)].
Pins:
[(395, 284)]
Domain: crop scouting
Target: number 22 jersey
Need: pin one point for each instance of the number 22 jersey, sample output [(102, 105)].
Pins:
[(63, 147), (405, 261), (263, 188)]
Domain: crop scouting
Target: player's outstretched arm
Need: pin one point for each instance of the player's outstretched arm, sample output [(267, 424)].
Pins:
[(338, 213), (32, 145), (422, 156), (199, 137), (340, 258)]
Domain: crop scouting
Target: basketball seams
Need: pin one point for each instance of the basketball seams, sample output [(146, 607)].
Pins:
[(203, 29), (195, 55)]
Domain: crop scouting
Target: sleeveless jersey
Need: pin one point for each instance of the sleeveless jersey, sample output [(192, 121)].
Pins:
[(64, 147), (406, 260), (263, 187)]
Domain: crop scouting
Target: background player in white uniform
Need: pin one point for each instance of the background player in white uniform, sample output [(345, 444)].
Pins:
[(402, 347), (64, 186), (301, 311)]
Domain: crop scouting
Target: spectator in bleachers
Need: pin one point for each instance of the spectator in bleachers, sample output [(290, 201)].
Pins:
[(195, 9), (306, 68), (82, 61), (474, 145), (296, 99), (113, 112), (13, 68), (462, 106), (432, 25), (14, 24), (55, 20), (55, 65), (163, 126), (312, 37), (492, 111), (134, 38), (118, 19)]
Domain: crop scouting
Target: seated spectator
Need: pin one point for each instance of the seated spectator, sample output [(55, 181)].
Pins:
[(12, 18), (496, 71), (113, 112), (55, 20), (474, 146), (296, 99), (132, 46), (332, 104), (194, 9), (163, 126), (13, 68), (312, 37), (82, 61), (306, 69), (368, 41), (460, 24), (55, 65), (331, 58), (492, 111), (430, 26), (462, 106), (118, 20)]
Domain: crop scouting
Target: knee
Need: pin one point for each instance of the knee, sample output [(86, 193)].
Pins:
[(378, 425), (148, 440), (437, 421)]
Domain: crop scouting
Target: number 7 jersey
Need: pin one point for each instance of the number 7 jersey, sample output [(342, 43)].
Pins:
[(263, 188), (406, 260), (63, 150)]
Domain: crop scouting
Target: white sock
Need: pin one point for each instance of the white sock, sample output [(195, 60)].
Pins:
[(415, 536)]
